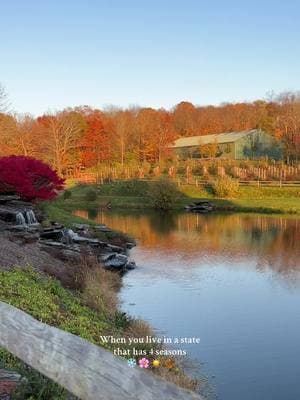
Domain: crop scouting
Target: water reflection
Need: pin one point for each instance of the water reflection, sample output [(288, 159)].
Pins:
[(232, 280), (271, 241)]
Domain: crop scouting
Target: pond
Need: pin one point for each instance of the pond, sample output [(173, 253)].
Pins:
[(234, 281)]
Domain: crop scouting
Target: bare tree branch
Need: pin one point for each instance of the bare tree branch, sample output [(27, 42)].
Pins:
[(4, 103)]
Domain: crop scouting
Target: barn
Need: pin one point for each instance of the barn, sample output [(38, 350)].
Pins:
[(252, 144)]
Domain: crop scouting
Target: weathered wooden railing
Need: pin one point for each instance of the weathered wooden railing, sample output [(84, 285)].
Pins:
[(85, 370)]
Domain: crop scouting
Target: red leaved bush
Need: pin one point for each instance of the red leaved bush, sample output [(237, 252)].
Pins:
[(29, 178)]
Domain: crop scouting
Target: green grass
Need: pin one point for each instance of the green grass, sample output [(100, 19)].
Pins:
[(254, 199), (61, 211), (46, 300), (133, 195)]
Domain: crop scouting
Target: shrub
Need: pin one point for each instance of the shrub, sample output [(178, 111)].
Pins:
[(29, 178), (67, 194), (163, 194), (91, 195), (225, 187)]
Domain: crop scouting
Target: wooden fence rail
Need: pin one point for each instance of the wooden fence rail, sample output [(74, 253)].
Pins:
[(85, 370), (192, 180)]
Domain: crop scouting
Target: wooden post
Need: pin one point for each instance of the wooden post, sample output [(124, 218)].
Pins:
[(85, 370)]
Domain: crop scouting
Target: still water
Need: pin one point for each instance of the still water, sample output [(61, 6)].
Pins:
[(232, 280)]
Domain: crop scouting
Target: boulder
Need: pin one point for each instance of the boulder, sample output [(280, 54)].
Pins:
[(80, 227), (52, 244), (114, 261), (114, 248), (52, 234), (130, 265), (8, 214), (130, 245), (102, 228), (8, 198), (200, 206)]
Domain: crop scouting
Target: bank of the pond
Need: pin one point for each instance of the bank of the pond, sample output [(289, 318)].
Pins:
[(134, 195), (80, 298)]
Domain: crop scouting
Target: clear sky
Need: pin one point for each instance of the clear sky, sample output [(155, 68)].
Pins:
[(59, 53)]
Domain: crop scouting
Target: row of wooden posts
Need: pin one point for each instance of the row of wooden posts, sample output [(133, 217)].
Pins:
[(192, 180), (249, 173)]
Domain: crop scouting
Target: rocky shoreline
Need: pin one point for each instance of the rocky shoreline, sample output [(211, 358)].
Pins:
[(27, 239), (21, 223)]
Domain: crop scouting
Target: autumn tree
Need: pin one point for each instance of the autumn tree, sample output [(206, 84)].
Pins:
[(123, 128), (288, 124), (185, 119), (209, 150), (62, 134), (26, 138), (8, 129), (163, 136), (96, 141), (29, 178), (147, 124)]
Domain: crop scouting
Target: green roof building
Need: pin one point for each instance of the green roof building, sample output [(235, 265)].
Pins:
[(253, 144)]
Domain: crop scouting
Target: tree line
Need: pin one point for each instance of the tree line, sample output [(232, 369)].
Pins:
[(84, 137)]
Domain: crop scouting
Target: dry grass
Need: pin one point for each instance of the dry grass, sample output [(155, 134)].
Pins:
[(98, 287), (178, 377), (139, 328), (100, 290)]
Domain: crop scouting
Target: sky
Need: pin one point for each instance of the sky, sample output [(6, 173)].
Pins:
[(55, 54)]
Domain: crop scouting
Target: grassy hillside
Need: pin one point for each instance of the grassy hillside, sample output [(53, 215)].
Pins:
[(135, 195)]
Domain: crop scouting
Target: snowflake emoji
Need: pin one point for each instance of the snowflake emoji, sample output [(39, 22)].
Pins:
[(144, 363), (131, 363)]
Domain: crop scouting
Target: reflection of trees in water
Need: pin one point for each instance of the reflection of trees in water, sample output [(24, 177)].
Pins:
[(92, 213), (273, 241), (163, 222)]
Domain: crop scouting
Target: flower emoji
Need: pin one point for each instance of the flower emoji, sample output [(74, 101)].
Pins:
[(131, 363), (144, 363), (156, 363)]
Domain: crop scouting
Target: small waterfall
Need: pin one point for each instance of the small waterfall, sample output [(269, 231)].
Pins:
[(30, 217), (20, 219)]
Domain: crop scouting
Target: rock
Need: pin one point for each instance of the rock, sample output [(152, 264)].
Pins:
[(8, 214), (53, 244), (21, 204), (8, 198), (102, 228), (18, 220), (74, 237), (81, 227), (52, 234), (94, 242), (114, 248), (114, 261), (17, 228), (27, 237), (56, 225), (130, 265), (130, 245), (200, 206)]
